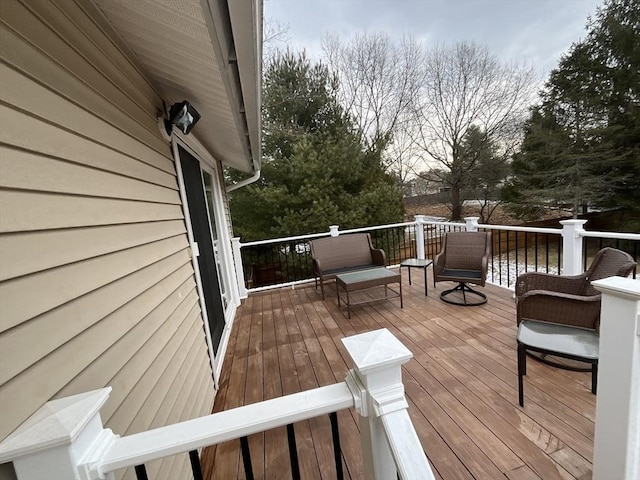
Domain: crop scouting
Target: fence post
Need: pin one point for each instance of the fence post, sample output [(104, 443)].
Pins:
[(572, 246), (60, 439), (385, 426), (420, 236), (237, 260), (333, 229), (617, 428), (472, 223)]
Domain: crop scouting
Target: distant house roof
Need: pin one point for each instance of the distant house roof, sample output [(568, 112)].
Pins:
[(208, 52)]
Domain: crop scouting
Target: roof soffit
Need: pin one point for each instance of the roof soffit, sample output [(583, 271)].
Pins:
[(188, 48)]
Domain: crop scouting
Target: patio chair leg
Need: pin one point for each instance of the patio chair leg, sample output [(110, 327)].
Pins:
[(522, 371), (425, 282), (465, 289), (434, 276)]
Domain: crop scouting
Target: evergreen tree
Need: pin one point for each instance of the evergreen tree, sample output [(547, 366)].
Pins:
[(582, 144), (316, 171), (488, 169)]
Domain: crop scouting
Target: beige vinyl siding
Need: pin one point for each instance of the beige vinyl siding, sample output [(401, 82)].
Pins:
[(96, 282)]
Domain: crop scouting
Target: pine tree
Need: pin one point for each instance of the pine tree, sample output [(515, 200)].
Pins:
[(316, 171), (582, 144)]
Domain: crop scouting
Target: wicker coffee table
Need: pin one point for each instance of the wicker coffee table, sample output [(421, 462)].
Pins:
[(364, 279)]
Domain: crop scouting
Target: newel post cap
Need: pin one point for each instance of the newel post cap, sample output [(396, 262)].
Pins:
[(619, 287), (375, 351), (471, 223), (57, 423)]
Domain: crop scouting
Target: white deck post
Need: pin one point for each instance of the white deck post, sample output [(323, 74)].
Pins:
[(472, 223), (333, 230), (420, 236), (385, 426), (572, 246), (617, 429), (62, 435), (237, 261)]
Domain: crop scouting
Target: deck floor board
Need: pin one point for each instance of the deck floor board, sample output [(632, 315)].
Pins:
[(461, 387)]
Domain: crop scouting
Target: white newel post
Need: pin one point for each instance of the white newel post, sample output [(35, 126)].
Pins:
[(333, 230), (237, 260), (420, 236), (572, 246), (385, 426), (60, 439), (472, 223), (617, 429)]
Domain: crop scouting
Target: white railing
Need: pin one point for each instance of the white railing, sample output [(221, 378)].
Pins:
[(66, 438), (568, 248), (298, 241), (617, 429)]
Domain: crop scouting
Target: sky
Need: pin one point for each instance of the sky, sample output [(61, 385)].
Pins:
[(535, 31)]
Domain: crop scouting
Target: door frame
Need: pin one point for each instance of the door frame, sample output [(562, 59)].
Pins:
[(196, 149)]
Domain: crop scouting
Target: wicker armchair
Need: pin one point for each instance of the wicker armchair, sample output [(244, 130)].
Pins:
[(569, 300), (463, 258)]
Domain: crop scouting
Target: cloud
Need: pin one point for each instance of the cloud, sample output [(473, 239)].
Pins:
[(535, 30)]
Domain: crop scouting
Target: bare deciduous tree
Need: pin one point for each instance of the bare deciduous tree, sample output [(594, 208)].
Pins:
[(274, 32), (379, 79), (465, 86)]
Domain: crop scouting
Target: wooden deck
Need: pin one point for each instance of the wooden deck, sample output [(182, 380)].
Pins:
[(461, 386)]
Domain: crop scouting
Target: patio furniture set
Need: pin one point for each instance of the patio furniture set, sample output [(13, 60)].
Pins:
[(557, 316)]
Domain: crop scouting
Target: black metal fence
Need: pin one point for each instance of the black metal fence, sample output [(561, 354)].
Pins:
[(592, 246), (196, 467), (517, 252), (276, 263), (514, 251), (287, 261)]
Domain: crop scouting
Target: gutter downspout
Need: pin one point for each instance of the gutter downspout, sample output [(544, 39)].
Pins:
[(244, 182)]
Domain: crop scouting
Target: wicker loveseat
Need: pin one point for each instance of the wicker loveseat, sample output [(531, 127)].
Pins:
[(344, 253), (569, 300)]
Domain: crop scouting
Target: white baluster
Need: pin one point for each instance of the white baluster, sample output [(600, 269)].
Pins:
[(572, 246), (420, 236), (385, 427), (472, 223), (617, 431), (237, 260), (62, 435)]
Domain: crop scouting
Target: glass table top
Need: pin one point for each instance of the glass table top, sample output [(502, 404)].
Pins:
[(416, 262), (366, 275), (565, 339)]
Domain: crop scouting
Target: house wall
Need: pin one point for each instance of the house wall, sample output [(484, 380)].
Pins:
[(96, 282)]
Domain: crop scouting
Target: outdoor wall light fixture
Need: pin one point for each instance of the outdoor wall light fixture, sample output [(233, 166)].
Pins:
[(183, 116)]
